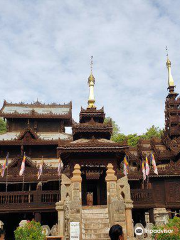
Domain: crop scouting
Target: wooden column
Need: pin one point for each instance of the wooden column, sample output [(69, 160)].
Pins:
[(37, 216)]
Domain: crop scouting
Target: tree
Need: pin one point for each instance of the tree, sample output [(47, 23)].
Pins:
[(152, 132), (116, 129), (30, 231), (132, 139), (3, 128)]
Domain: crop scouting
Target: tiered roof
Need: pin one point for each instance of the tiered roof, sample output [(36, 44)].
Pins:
[(166, 149), (31, 170), (89, 113), (29, 137), (92, 145), (91, 134), (36, 110), (92, 125)]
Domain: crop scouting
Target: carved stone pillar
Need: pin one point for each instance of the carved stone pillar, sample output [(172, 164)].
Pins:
[(161, 216), (123, 189), (61, 219), (76, 202), (111, 181), (76, 184), (129, 222)]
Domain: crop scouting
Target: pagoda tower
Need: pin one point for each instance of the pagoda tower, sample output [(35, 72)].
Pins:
[(92, 189), (92, 149)]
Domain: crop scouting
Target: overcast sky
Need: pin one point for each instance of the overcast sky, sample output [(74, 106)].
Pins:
[(46, 45)]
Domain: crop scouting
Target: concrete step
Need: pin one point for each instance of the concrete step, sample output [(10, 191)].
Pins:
[(95, 210), (94, 225), (96, 221), (95, 215), (95, 236), (95, 231)]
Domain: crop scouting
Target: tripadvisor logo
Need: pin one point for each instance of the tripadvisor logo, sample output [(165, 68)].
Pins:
[(138, 231)]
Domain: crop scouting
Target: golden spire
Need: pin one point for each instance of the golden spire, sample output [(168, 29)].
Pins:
[(170, 78), (91, 82)]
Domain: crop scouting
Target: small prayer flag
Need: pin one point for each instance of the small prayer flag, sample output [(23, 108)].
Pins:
[(23, 165), (5, 165)]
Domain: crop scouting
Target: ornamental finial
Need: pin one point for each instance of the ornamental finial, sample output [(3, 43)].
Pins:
[(170, 78), (91, 64), (91, 82)]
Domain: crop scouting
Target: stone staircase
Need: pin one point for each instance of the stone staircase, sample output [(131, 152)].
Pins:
[(95, 223)]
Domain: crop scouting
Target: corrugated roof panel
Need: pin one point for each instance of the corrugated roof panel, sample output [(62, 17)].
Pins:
[(9, 136), (54, 136), (40, 110), (44, 136)]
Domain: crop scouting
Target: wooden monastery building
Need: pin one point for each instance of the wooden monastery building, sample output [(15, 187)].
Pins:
[(38, 131)]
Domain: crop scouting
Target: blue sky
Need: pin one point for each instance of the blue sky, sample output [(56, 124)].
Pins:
[(45, 50)]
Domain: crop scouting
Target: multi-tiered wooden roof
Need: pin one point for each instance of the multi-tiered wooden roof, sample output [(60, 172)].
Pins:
[(36, 110), (166, 149)]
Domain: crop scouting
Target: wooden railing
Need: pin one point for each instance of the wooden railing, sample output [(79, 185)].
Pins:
[(29, 199), (143, 197)]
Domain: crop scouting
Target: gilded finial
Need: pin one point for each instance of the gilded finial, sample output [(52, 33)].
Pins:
[(170, 78), (91, 64), (91, 82), (168, 62), (166, 51)]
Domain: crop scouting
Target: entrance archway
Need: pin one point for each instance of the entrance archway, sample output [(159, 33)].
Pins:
[(94, 185)]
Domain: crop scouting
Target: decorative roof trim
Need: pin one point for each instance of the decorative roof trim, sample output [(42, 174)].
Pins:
[(37, 104), (30, 130), (34, 114)]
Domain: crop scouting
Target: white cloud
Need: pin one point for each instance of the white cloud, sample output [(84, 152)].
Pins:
[(46, 47)]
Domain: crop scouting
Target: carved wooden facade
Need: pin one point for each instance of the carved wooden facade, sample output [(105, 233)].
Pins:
[(40, 133)]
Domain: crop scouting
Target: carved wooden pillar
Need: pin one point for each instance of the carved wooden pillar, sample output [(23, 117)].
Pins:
[(37, 217)]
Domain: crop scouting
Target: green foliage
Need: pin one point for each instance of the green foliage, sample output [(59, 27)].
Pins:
[(30, 231), (173, 225), (152, 132), (116, 129), (120, 137), (132, 139), (2, 126)]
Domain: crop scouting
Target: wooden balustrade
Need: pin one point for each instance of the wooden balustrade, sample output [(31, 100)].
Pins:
[(50, 196), (142, 197), (35, 199)]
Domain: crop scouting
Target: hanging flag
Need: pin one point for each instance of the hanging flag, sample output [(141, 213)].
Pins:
[(5, 164), (22, 165), (154, 164), (143, 170), (60, 165), (126, 166), (147, 167), (40, 171)]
